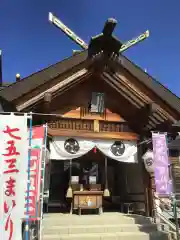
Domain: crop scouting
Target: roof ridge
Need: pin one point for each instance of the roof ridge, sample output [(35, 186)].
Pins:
[(146, 73), (45, 75), (152, 83), (46, 68)]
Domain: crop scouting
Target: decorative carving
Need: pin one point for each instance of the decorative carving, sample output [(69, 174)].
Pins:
[(47, 97), (96, 126), (72, 124), (89, 125), (71, 146), (85, 111), (113, 127), (118, 148)]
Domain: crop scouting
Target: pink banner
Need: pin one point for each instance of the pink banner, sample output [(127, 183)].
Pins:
[(35, 172)]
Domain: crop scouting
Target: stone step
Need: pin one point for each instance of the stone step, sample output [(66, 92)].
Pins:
[(110, 228), (66, 219), (109, 236)]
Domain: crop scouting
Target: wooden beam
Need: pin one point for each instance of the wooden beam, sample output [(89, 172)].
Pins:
[(141, 95), (72, 85), (127, 94), (132, 88), (47, 98), (122, 93), (47, 106), (143, 117), (144, 175), (165, 126), (59, 85), (122, 72), (96, 125), (99, 63), (96, 135)]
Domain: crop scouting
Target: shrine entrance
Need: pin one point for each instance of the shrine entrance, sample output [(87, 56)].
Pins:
[(82, 168), (123, 181)]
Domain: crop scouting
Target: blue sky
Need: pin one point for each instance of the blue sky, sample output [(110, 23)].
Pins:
[(29, 42)]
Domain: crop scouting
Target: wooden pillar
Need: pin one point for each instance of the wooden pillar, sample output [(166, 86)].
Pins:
[(96, 125), (152, 189), (47, 106), (144, 178), (146, 190)]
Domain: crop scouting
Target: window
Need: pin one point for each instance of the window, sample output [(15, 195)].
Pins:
[(97, 102)]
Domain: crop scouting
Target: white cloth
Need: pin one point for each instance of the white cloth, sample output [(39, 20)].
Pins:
[(12, 184), (58, 151), (129, 155)]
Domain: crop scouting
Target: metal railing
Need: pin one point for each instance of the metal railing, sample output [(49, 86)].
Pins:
[(165, 215), (34, 228)]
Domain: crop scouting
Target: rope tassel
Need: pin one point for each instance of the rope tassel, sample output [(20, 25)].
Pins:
[(69, 193), (106, 190)]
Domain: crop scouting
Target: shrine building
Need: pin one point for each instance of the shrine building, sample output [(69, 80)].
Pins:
[(100, 114)]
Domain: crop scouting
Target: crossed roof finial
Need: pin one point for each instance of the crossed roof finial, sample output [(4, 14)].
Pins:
[(105, 41)]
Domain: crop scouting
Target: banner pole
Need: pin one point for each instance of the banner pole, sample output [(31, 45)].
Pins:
[(43, 176), (28, 180)]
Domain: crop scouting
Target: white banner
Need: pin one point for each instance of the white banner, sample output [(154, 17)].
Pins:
[(13, 181), (64, 148)]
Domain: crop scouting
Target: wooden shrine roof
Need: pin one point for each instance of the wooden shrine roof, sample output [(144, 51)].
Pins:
[(6, 106), (26, 85), (17, 90), (164, 93)]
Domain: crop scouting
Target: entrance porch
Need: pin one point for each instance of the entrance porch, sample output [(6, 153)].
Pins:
[(89, 173)]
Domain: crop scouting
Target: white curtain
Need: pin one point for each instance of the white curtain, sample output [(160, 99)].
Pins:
[(127, 152), (129, 155), (58, 151)]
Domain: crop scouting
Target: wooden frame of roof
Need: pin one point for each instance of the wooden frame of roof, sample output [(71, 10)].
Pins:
[(6, 106), (137, 98), (61, 86), (31, 83), (135, 85)]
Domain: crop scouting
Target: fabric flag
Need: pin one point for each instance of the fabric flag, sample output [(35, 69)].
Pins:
[(161, 164), (13, 181), (35, 173)]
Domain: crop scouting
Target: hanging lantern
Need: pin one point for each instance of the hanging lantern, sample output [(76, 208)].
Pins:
[(148, 158), (69, 193), (106, 190)]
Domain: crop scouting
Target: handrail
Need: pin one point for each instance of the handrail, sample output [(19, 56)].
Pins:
[(162, 218), (165, 204), (33, 232), (172, 227), (167, 221), (169, 206)]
